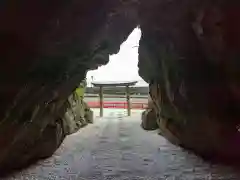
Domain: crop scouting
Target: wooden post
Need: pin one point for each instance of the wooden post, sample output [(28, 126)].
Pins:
[(101, 101), (128, 100)]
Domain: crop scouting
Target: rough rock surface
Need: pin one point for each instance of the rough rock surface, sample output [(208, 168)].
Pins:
[(77, 115), (149, 120), (193, 57), (189, 51), (47, 47)]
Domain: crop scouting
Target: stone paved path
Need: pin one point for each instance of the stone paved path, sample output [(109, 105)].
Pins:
[(116, 148)]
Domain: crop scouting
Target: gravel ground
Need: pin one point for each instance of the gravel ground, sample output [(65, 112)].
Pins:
[(116, 148)]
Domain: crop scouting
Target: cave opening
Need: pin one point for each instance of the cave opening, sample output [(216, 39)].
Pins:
[(122, 66)]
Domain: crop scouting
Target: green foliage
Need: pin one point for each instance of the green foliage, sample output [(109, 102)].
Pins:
[(81, 88)]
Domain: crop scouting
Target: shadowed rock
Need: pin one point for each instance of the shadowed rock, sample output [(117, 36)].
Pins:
[(149, 120)]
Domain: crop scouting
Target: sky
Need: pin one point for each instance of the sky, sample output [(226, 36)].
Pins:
[(122, 66)]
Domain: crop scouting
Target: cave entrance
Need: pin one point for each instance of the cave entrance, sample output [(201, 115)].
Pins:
[(122, 66)]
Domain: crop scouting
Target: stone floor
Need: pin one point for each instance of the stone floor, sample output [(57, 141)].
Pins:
[(116, 148)]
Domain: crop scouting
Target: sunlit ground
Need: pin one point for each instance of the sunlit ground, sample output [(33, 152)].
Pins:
[(115, 147)]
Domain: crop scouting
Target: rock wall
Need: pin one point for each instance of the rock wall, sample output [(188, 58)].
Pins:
[(189, 52), (46, 49), (76, 115)]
